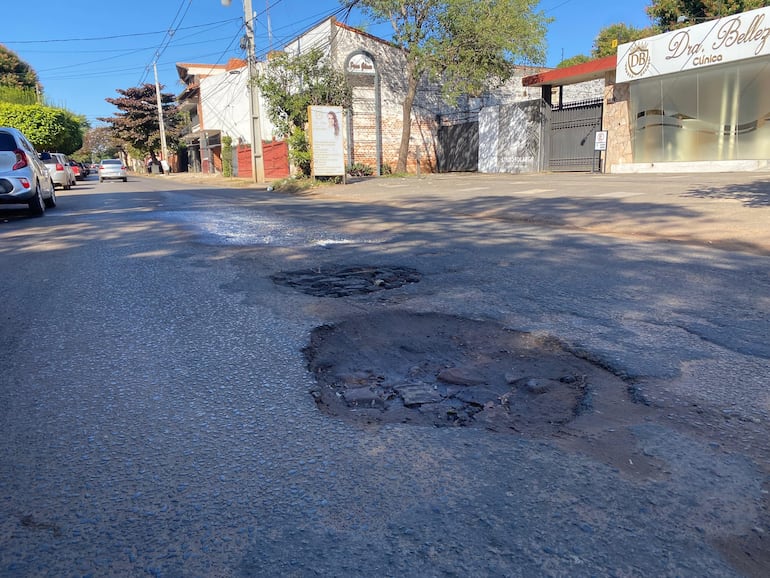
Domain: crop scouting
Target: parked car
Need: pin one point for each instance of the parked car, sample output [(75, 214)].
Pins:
[(78, 172), (112, 169), (59, 168), (24, 178)]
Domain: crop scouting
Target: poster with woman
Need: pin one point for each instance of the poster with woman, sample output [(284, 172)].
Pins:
[(326, 140)]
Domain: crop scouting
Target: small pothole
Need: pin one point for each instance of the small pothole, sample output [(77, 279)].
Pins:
[(442, 370), (343, 281)]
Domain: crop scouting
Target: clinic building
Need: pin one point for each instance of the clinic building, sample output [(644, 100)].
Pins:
[(695, 99)]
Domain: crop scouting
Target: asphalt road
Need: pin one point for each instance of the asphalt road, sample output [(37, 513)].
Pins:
[(154, 396)]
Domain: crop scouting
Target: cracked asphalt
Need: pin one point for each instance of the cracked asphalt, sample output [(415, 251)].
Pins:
[(155, 401)]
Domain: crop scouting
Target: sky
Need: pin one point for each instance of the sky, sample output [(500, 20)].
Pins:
[(85, 50)]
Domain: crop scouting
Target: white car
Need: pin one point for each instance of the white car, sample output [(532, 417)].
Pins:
[(24, 178), (112, 169), (60, 170)]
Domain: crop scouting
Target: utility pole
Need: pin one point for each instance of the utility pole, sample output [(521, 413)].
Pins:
[(163, 148), (257, 160)]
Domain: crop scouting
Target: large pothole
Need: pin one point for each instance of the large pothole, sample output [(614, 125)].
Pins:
[(442, 370), (343, 280)]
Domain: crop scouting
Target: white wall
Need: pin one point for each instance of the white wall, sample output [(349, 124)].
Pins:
[(225, 106)]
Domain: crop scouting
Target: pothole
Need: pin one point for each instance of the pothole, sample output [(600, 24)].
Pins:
[(343, 281), (447, 371)]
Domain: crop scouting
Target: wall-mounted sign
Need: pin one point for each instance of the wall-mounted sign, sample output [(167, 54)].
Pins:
[(726, 39), (600, 141), (360, 64), (326, 140)]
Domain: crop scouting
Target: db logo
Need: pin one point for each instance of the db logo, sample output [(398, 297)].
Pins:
[(638, 60)]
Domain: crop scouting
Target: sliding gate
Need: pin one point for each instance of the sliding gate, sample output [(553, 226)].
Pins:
[(572, 136)]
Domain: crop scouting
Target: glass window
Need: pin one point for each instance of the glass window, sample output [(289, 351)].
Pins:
[(712, 114)]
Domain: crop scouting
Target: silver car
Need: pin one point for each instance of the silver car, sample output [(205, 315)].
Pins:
[(60, 170), (24, 178), (112, 169)]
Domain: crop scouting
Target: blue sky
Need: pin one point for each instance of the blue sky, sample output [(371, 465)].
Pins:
[(84, 50)]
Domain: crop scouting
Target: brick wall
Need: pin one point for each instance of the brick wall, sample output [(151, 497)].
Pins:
[(390, 63)]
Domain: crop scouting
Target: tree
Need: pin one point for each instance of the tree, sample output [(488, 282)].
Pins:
[(137, 122), (606, 43), (98, 143), (49, 129), (665, 13), (15, 72), (573, 61), (292, 83), (470, 46)]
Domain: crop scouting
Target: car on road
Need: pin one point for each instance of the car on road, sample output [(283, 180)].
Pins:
[(24, 178), (59, 168), (112, 169), (79, 176)]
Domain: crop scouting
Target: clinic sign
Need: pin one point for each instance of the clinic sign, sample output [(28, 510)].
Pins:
[(727, 39)]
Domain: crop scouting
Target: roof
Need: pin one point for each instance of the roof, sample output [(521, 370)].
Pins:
[(586, 71), (185, 69), (360, 32)]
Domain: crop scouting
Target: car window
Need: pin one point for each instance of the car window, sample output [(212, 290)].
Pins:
[(112, 162), (28, 145), (7, 142)]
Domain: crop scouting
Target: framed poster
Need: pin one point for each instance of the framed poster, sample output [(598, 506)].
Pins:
[(326, 141)]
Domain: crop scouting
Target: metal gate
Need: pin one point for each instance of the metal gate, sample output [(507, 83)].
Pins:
[(572, 135), (458, 147)]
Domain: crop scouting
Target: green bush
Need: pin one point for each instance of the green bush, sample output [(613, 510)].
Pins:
[(227, 156), (360, 170), (299, 151), (18, 95), (49, 129)]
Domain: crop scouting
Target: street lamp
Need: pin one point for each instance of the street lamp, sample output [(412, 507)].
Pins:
[(682, 19)]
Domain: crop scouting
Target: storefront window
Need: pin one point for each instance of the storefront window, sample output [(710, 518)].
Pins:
[(711, 114)]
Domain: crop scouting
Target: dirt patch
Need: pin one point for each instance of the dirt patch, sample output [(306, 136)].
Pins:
[(447, 371)]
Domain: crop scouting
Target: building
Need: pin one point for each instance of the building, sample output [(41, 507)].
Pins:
[(443, 137), (690, 100), (215, 98), (374, 70)]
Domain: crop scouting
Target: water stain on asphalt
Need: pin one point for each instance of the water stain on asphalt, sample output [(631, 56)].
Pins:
[(250, 228)]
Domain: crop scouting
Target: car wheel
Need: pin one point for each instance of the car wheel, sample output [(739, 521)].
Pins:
[(67, 187), (50, 202), (101, 180), (125, 179), (36, 205)]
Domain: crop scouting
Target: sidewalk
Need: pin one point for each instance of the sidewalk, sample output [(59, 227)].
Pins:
[(723, 210)]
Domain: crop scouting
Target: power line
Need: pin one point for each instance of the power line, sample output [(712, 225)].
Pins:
[(164, 44), (134, 35)]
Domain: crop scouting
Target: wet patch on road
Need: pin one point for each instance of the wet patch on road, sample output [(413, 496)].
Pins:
[(245, 228)]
